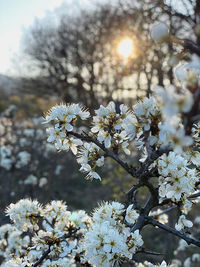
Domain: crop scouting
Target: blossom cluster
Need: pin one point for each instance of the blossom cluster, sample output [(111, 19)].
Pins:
[(90, 156), (176, 180), (100, 240), (111, 128), (37, 228), (12, 241), (109, 238), (25, 214), (110, 125), (64, 117), (155, 120)]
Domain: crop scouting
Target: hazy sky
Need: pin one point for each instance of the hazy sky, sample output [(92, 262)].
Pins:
[(14, 15)]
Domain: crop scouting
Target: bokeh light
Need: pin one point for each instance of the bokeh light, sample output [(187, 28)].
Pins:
[(125, 48)]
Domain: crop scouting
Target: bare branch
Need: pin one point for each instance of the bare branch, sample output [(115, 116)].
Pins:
[(164, 211), (44, 255), (195, 195), (181, 235), (151, 203), (143, 250)]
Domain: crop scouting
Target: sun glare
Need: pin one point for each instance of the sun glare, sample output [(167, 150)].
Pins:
[(125, 47)]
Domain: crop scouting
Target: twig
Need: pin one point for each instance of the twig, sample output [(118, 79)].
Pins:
[(131, 194), (44, 255), (195, 195), (108, 153), (142, 250), (189, 240), (164, 211), (191, 46), (151, 158)]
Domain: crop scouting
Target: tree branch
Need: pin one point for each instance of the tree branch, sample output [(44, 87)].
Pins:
[(189, 240), (164, 211), (151, 158), (191, 46), (151, 203), (143, 250), (44, 255), (195, 195), (108, 153)]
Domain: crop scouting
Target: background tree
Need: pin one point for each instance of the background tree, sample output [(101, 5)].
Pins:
[(75, 56)]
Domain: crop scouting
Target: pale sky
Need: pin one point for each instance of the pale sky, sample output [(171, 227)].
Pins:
[(17, 14), (14, 15)]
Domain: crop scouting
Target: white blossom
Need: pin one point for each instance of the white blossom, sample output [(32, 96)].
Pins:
[(182, 223), (25, 214)]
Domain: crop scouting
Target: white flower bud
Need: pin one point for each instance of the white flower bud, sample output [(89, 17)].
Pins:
[(159, 32)]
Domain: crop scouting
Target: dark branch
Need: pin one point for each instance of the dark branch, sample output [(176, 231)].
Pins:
[(108, 153), (151, 158), (189, 240), (172, 12), (142, 250), (44, 255), (141, 222), (195, 195), (164, 212), (192, 47)]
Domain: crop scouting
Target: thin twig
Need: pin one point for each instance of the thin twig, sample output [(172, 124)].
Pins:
[(181, 235), (164, 211), (195, 195), (44, 255), (143, 250), (191, 46), (108, 153)]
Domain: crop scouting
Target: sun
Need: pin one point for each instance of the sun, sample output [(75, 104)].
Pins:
[(125, 48)]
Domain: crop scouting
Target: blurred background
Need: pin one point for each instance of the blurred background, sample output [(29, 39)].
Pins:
[(81, 51)]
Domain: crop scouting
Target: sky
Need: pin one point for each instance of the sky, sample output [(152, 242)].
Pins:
[(14, 15), (18, 14)]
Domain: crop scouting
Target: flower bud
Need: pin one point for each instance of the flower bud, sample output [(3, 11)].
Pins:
[(159, 32)]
